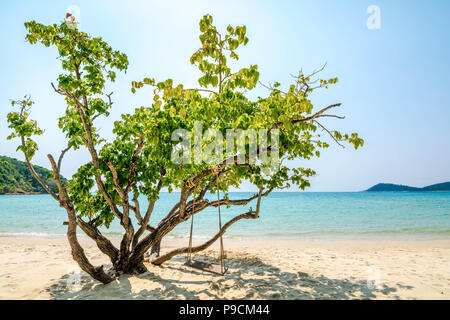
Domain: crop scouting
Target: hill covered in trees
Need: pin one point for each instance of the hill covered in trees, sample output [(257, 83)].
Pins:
[(15, 178), (445, 186)]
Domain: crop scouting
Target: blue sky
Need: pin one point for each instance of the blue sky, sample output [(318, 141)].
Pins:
[(394, 82)]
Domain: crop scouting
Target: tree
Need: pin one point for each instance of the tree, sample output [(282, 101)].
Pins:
[(139, 161)]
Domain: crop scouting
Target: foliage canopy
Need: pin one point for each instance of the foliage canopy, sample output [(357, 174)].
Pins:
[(137, 162)]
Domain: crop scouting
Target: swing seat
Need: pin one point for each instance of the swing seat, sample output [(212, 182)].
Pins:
[(200, 265), (208, 267)]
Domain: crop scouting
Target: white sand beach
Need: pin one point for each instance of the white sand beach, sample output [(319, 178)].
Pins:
[(42, 268)]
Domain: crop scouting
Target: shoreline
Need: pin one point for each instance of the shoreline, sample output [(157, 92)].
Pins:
[(42, 268), (22, 193), (384, 237), (253, 242)]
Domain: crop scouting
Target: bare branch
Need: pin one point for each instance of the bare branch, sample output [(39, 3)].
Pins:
[(201, 90), (329, 133), (109, 98), (310, 118), (109, 104), (240, 202), (36, 176), (61, 157), (271, 88), (332, 116), (116, 180)]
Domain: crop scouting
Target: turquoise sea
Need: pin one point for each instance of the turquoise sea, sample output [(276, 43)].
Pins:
[(283, 214)]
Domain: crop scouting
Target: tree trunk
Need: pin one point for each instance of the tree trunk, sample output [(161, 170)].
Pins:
[(156, 249), (128, 266), (77, 251)]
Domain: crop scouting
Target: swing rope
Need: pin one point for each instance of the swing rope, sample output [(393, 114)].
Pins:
[(189, 255), (222, 251)]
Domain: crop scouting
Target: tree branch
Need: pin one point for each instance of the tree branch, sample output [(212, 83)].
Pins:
[(61, 157), (116, 182), (77, 251), (90, 145), (102, 242), (36, 176), (151, 205), (310, 118), (240, 202), (329, 133), (160, 260), (133, 164), (248, 215)]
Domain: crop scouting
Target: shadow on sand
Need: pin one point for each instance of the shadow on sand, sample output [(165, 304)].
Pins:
[(247, 278)]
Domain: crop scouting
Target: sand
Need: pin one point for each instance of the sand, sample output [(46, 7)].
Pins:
[(42, 268)]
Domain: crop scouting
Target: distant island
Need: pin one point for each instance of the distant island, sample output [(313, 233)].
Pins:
[(15, 178), (445, 186)]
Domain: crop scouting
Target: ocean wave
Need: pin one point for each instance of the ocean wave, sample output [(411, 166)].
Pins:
[(30, 234), (406, 231)]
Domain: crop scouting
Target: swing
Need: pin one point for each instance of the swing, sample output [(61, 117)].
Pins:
[(204, 266)]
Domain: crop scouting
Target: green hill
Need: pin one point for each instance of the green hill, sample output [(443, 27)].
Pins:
[(445, 186), (16, 178)]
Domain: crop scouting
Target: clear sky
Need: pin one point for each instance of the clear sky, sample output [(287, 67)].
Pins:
[(394, 81)]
